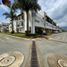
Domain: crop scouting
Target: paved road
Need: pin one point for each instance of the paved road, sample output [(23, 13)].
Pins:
[(49, 51), (60, 37), (10, 44)]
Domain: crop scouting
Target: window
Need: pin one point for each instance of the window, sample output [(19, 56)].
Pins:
[(23, 17), (36, 20), (18, 25), (22, 24)]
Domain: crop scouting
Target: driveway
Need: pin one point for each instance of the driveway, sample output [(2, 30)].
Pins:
[(11, 44), (51, 53)]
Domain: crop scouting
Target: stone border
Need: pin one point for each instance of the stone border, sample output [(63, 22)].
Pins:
[(12, 59), (62, 63), (54, 60)]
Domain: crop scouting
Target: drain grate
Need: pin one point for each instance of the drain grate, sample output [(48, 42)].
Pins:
[(34, 60)]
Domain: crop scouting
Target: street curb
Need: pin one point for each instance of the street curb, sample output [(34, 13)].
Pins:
[(45, 37), (57, 40), (19, 37)]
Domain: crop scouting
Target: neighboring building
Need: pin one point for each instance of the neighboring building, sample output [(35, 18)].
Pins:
[(18, 24), (0, 27), (37, 23), (4, 27)]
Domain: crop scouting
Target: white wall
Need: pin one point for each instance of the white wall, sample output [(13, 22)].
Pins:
[(15, 25), (25, 21), (10, 27), (38, 20)]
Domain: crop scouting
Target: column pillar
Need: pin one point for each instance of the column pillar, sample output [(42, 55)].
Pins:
[(32, 24), (25, 21)]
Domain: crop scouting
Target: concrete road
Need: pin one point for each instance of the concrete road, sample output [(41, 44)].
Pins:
[(49, 52), (10, 44), (59, 37)]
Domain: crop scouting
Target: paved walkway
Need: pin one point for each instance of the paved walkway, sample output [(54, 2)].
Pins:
[(62, 37), (50, 53)]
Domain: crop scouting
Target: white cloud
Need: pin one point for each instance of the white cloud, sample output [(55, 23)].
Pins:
[(4, 7), (5, 21), (56, 9), (62, 24), (63, 21), (18, 12)]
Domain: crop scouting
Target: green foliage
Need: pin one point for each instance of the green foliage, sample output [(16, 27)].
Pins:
[(28, 5), (11, 15), (25, 5)]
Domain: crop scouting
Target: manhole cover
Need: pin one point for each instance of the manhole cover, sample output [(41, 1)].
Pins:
[(7, 61), (62, 63), (3, 55), (13, 59)]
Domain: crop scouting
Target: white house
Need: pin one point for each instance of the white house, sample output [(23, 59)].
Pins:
[(37, 22), (4, 27)]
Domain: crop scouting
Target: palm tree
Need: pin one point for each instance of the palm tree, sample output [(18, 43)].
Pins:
[(27, 5), (11, 15)]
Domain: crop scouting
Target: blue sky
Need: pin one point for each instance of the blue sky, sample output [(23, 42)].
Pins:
[(3, 9), (56, 9)]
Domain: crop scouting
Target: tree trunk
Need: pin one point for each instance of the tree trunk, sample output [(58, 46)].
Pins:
[(27, 32), (17, 27), (12, 27)]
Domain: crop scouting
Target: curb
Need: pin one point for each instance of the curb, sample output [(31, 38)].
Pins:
[(19, 37), (57, 40)]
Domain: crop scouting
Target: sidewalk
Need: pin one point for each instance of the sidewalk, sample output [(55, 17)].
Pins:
[(61, 37), (57, 60)]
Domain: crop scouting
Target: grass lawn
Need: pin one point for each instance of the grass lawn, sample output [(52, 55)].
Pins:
[(22, 35)]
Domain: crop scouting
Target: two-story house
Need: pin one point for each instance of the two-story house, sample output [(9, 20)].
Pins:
[(37, 23)]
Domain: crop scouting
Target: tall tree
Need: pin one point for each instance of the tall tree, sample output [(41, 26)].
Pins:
[(10, 14), (27, 5)]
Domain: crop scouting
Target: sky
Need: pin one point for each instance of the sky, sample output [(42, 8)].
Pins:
[(56, 9)]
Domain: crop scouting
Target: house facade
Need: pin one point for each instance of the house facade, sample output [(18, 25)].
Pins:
[(37, 23), (4, 27)]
